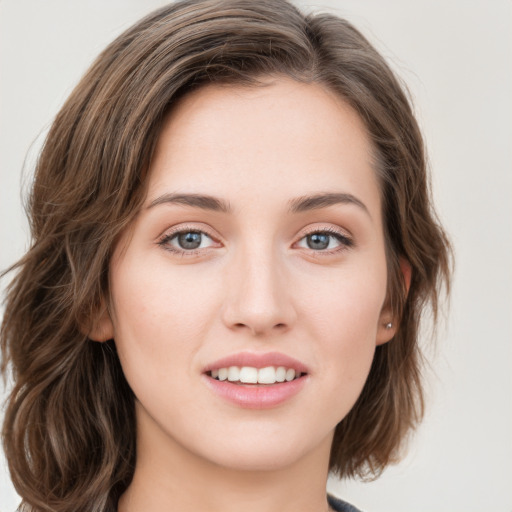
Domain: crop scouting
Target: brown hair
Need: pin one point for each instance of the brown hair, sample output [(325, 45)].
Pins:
[(69, 428)]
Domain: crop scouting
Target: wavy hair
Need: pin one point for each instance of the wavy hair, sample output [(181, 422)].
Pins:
[(69, 427)]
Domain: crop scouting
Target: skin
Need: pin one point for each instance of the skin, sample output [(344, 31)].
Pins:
[(254, 285)]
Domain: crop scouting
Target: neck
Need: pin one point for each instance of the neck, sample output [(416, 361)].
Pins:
[(169, 477)]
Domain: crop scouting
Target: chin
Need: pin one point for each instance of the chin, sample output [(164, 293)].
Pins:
[(265, 451), (256, 460)]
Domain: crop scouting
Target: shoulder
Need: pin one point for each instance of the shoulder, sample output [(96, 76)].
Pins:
[(340, 505)]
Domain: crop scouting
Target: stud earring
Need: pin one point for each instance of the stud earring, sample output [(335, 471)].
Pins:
[(389, 325)]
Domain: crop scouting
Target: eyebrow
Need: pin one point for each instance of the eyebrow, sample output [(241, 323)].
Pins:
[(204, 202), (324, 200), (297, 205)]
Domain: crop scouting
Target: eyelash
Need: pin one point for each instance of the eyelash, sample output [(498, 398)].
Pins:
[(345, 241), (166, 239)]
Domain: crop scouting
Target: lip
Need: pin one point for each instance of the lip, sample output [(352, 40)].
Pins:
[(253, 396), (257, 360), (256, 396)]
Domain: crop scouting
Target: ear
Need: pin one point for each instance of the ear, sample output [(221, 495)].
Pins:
[(388, 323), (101, 327)]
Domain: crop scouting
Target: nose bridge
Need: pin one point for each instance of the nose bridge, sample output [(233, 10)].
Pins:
[(257, 295)]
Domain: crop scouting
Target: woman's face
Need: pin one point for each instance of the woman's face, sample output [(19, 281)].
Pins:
[(260, 246)]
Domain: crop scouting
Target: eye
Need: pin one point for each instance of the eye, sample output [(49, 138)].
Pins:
[(326, 240), (186, 241)]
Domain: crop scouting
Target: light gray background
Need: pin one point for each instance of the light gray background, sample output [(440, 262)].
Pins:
[(456, 57)]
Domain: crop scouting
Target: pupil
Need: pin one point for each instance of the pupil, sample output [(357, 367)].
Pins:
[(318, 241), (189, 240)]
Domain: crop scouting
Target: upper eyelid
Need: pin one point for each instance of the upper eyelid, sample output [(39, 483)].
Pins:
[(323, 230), (327, 229), (183, 228), (307, 231)]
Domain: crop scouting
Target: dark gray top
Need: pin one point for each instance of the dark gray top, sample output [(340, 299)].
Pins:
[(340, 505)]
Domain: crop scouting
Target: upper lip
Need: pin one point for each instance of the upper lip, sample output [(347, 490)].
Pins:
[(257, 360)]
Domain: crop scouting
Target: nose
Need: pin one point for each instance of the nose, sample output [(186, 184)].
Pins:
[(258, 296)]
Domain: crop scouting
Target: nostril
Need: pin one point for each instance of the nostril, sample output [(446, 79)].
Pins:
[(260, 330)]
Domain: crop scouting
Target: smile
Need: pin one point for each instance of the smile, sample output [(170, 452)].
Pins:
[(252, 375), (256, 380)]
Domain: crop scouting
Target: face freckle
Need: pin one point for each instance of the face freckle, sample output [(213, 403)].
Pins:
[(260, 245)]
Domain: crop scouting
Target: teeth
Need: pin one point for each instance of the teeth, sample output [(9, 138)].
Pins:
[(233, 373), (281, 374), (267, 375), (290, 374), (251, 375), (248, 375)]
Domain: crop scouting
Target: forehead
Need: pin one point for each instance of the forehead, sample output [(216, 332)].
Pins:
[(284, 136)]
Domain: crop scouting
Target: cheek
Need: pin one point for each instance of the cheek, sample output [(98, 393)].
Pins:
[(350, 300), (344, 317), (162, 315)]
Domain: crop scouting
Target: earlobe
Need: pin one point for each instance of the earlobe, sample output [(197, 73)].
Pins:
[(101, 328), (388, 325), (386, 330)]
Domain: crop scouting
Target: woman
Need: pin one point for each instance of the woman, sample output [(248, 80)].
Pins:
[(233, 244)]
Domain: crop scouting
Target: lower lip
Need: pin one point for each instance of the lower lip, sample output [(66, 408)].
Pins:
[(252, 396)]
